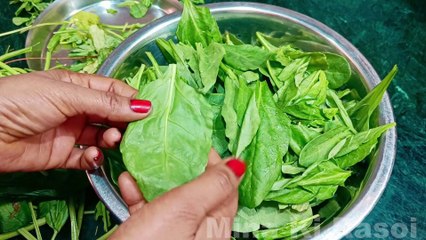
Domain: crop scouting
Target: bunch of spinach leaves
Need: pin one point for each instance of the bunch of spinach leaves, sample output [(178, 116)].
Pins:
[(288, 113)]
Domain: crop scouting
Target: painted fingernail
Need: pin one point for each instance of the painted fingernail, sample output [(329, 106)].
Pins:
[(237, 166), (97, 161), (140, 106)]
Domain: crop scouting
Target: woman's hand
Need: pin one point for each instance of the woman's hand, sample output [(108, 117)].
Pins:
[(43, 115), (202, 209)]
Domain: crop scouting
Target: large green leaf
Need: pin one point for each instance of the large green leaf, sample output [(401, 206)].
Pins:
[(14, 215), (245, 57), (267, 215), (359, 146), (265, 153), (362, 111), (56, 213), (171, 146), (197, 25), (320, 147)]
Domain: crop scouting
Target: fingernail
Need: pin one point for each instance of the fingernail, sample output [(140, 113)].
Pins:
[(140, 106), (97, 161), (237, 166)]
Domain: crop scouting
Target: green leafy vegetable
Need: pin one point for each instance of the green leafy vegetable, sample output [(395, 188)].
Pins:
[(14, 215), (102, 213), (179, 118), (362, 111), (321, 147), (264, 160), (56, 214), (28, 10), (197, 25), (137, 8), (288, 113)]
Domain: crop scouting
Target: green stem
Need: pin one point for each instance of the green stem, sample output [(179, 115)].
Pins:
[(24, 29), (108, 234), (55, 233), (8, 68), (80, 212), (114, 34), (15, 53), (47, 60), (123, 27), (4, 236), (34, 217), (26, 234), (89, 212), (73, 219)]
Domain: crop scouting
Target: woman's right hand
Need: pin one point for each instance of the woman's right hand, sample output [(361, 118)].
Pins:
[(201, 209)]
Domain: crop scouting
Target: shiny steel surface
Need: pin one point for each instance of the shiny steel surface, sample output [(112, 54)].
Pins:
[(244, 19), (61, 10)]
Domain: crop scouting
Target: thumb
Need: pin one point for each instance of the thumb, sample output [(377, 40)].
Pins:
[(208, 191)]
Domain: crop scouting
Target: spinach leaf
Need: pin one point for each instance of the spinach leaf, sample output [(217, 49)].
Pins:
[(360, 146), (362, 111), (334, 101), (103, 213), (325, 173), (285, 231), (241, 124), (265, 153), (266, 215), (245, 57), (231, 39), (159, 151), (137, 8), (338, 70), (14, 215), (300, 136), (56, 214), (197, 25), (296, 195), (209, 62), (320, 147)]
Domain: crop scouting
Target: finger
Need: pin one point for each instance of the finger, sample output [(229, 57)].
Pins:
[(84, 159), (130, 192), (214, 158), (208, 191), (108, 106), (99, 136), (92, 95), (95, 82)]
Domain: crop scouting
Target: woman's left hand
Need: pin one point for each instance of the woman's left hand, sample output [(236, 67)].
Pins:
[(44, 115)]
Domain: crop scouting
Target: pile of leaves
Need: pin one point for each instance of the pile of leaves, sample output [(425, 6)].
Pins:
[(290, 114)]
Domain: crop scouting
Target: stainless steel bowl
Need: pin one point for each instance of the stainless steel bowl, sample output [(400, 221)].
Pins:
[(244, 19), (61, 10)]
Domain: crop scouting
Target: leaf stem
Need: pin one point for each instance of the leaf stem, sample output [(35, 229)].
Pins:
[(108, 234), (40, 222), (24, 29), (26, 234), (8, 68), (55, 233), (73, 219), (80, 212), (15, 53), (114, 34), (34, 217)]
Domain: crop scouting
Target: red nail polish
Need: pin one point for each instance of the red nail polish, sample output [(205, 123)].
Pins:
[(99, 158), (140, 106), (237, 166)]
